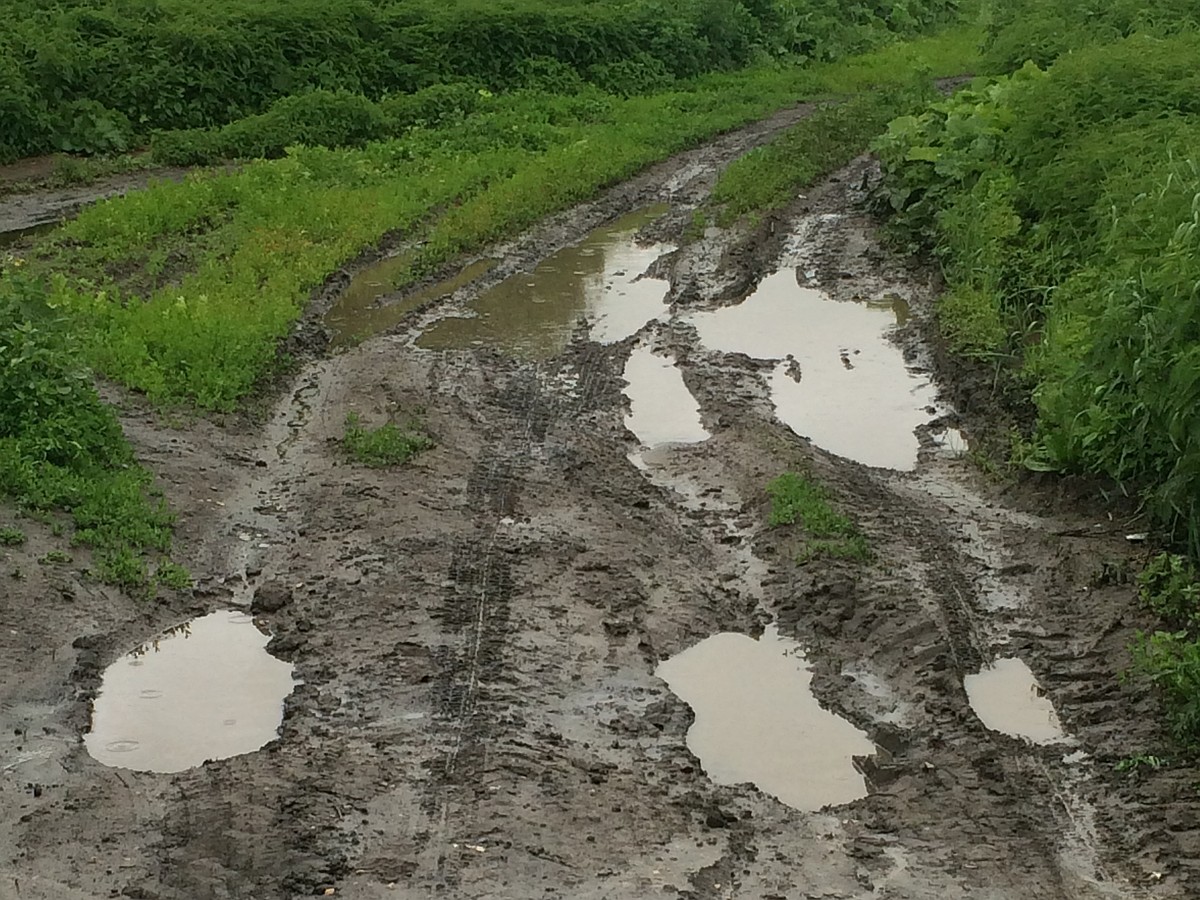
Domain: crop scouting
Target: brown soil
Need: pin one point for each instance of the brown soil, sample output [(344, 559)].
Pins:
[(477, 633)]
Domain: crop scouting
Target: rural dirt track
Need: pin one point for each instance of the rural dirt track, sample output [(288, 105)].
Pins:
[(477, 631)]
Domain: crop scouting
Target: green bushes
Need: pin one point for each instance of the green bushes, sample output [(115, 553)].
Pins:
[(62, 449), (318, 118), (100, 75), (1065, 207)]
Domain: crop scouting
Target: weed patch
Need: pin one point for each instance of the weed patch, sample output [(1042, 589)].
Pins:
[(387, 445), (797, 500), (62, 449), (11, 537)]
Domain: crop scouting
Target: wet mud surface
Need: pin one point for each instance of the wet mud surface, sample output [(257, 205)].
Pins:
[(478, 635)]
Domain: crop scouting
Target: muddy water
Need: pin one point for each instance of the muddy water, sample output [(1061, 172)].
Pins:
[(757, 721), (8, 238), (533, 315), (357, 314), (662, 409), (839, 381), (207, 689), (1008, 699)]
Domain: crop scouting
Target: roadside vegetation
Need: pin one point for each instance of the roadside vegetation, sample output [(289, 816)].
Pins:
[(349, 124), (61, 448), (1062, 199), (797, 500)]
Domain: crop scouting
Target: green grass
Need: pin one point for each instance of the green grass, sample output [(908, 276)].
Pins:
[(62, 449), (184, 290), (798, 500), (386, 445), (770, 177)]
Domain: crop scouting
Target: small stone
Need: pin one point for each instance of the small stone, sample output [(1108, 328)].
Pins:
[(271, 597)]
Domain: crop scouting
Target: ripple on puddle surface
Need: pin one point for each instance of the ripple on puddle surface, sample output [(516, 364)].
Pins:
[(840, 382), (207, 689), (1008, 699), (757, 720), (533, 315), (662, 409)]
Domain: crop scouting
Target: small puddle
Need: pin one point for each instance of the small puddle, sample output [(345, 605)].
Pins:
[(204, 690), (533, 315), (662, 409), (1008, 699), (839, 381), (9, 238), (357, 314), (757, 720)]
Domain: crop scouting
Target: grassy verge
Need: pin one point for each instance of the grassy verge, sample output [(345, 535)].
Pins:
[(771, 176), (183, 290), (798, 500), (1062, 205), (62, 449)]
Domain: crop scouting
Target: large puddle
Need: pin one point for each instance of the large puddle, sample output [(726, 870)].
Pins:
[(1008, 699), (757, 720), (662, 409), (357, 314), (839, 381), (533, 315), (207, 689)]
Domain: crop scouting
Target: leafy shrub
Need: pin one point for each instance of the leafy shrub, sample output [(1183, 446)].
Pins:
[(1172, 662), (1170, 586), (1066, 204), (317, 118)]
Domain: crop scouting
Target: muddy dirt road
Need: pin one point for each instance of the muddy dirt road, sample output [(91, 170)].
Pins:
[(484, 637)]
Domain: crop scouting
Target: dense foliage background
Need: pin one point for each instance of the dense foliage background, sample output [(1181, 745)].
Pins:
[(1064, 202), (101, 75)]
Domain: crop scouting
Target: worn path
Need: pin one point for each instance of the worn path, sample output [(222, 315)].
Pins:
[(478, 631)]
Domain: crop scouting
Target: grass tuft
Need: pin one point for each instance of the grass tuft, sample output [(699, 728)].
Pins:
[(386, 445), (797, 500)]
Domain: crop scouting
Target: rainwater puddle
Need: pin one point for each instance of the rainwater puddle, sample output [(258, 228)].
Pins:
[(8, 238), (839, 382), (204, 690), (662, 409), (356, 315), (533, 315), (757, 720), (1007, 698)]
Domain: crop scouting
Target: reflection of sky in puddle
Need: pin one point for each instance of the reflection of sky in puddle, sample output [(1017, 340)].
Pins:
[(662, 409), (204, 690), (757, 720), (355, 316), (849, 391), (533, 315), (1007, 698)]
